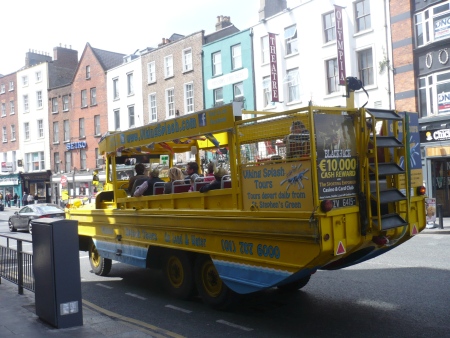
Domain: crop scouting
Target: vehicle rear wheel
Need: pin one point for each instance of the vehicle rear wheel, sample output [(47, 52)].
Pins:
[(178, 272), (294, 286), (210, 286), (101, 266), (11, 226)]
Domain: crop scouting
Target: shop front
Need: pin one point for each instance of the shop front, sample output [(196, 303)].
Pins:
[(436, 146), (37, 183), (10, 185)]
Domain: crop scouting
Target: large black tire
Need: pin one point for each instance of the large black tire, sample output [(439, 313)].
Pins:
[(101, 266), (178, 274), (294, 286), (11, 226), (210, 287), (30, 227)]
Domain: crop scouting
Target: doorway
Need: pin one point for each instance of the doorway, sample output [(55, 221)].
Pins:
[(440, 171)]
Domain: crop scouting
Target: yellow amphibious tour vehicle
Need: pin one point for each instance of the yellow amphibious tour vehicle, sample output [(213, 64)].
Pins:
[(346, 186)]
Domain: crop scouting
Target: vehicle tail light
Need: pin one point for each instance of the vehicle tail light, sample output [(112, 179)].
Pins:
[(326, 205), (421, 190), (380, 240)]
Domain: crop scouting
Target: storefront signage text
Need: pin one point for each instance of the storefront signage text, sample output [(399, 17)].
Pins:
[(76, 145)]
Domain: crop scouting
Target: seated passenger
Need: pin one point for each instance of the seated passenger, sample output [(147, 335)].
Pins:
[(192, 172), (216, 184), (151, 180), (209, 177), (175, 174), (297, 142), (140, 169)]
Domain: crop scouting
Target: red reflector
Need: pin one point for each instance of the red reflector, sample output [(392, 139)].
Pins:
[(380, 240), (326, 205), (421, 190)]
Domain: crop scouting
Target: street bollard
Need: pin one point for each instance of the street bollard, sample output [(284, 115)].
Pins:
[(441, 220)]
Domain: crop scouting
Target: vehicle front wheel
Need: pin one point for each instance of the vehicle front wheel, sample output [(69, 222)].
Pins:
[(101, 266), (11, 226), (30, 230), (210, 286)]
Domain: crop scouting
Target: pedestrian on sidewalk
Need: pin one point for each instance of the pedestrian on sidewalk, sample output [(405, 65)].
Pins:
[(30, 199), (25, 198), (36, 198), (8, 200), (15, 198)]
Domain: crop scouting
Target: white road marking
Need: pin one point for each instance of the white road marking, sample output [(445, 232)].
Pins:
[(377, 304), (178, 308), (234, 325), (84, 256), (104, 286), (135, 296)]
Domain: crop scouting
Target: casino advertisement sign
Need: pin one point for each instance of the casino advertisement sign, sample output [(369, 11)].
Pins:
[(337, 163)]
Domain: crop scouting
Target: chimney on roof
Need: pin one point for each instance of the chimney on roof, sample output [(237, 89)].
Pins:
[(65, 57), (269, 8), (222, 22), (164, 42), (33, 58)]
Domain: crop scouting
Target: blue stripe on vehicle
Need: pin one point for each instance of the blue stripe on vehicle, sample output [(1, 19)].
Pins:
[(130, 254)]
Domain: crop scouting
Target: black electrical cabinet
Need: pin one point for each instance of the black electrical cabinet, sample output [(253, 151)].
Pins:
[(56, 268)]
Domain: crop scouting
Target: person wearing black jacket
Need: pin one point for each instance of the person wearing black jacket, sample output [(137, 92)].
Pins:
[(151, 180), (217, 183)]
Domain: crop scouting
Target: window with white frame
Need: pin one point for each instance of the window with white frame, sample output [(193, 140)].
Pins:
[(434, 94), (93, 96), (151, 72), (25, 80), (170, 102), (3, 109), (12, 108), (26, 130), (130, 84), (168, 66), (153, 111), (290, 40), (189, 97), (13, 132), (267, 93), (66, 131), (187, 59), (4, 135), (236, 57), (329, 27), (84, 98), (40, 126), (332, 76), (117, 119), (97, 130), (238, 91), (11, 85), (88, 72), (34, 161), (427, 106), (217, 63), (131, 117), (218, 97), (2, 88), (56, 132), (25, 104), (67, 161), (365, 67), (54, 104), (38, 76), (82, 131), (39, 99), (293, 85), (56, 162), (362, 15), (65, 100), (116, 89), (265, 52), (432, 24), (83, 159)]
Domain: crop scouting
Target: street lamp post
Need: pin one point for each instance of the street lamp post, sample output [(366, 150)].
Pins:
[(73, 181)]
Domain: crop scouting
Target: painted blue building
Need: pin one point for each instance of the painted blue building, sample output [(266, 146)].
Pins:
[(228, 71)]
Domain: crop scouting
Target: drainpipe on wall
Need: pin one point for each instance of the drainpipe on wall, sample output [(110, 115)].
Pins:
[(388, 54)]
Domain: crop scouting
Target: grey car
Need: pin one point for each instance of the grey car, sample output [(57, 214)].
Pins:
[(21, 220)]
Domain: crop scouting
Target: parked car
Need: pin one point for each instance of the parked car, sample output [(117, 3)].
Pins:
[(21, 220)]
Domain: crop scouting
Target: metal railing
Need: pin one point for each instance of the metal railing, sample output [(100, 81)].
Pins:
[(16, 265)]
